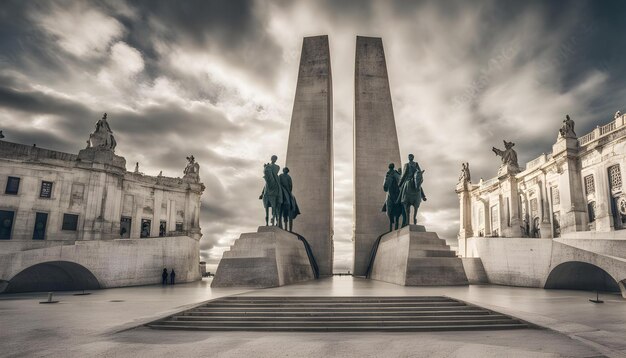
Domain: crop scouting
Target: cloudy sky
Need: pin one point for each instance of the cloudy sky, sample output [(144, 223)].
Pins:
[(217, 79)]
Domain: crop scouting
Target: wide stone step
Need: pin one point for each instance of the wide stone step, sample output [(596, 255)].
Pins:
[(322, 314), (332, 318), (359, 328), (402, 313), (335, 298), (431, 253), (331, 323), (334, 304)]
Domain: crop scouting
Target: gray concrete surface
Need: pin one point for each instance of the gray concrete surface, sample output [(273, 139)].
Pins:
[(270, 257), (375, 146), (310, 150), (82, 326), (412, 256)]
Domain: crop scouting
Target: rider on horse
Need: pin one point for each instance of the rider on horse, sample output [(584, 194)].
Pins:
[(411, 193)]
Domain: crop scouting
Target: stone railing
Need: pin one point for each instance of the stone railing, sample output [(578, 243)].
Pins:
[(543, 158), (601, 131), (488, 183)]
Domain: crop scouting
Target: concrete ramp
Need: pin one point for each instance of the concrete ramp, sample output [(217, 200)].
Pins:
[(412, 256)]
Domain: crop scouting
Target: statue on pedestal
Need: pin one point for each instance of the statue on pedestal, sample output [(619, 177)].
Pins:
[(392, 187), (508, 155), (102, 137), (192, 170), (289, 209), (567, 129), (272, 194), (411, 192), (465, 176)]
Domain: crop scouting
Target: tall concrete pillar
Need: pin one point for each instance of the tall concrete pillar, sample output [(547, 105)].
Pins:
[(375, 146), (310, 150)]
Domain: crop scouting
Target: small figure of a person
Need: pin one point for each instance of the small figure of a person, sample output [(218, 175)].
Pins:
[(164, 277), (172, 277)]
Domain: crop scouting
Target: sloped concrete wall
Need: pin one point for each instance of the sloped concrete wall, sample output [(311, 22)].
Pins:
[(115, 263)]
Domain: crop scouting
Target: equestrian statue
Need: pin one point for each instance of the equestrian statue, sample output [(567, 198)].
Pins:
[(272, 194), (411, 192)]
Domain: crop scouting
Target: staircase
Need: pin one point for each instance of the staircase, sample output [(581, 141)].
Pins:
[(421, 313)]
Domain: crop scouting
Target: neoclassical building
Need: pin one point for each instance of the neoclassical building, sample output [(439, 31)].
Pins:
[(83, 221), (573, 196), (576, 187)]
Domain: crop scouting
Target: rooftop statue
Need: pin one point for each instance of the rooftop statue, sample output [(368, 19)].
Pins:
[(272, 194), (411, 193), (1, 135), (509, 156), (465, 176), (192, 170), (392, 187), (289, 210), (567, 130), (102, 137), (617, 115)]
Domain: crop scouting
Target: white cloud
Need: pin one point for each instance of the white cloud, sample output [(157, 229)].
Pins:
[(79, 29)]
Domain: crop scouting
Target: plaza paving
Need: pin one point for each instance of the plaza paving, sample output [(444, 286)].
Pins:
[(108, 323)]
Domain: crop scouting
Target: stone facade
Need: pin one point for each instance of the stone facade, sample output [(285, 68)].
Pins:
[(577, 187), (559, 222), (50, 198)]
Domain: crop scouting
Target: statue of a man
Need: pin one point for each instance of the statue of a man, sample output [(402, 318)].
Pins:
[(509, 156), (567, 129), (290, 206), (465, 173), (102, 137), (192, 170), (617, 115), (408, 172)]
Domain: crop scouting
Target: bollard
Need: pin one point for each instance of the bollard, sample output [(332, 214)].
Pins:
[(50, 294)]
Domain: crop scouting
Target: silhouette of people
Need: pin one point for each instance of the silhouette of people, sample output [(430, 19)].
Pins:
[(172, 277), (164, 277)]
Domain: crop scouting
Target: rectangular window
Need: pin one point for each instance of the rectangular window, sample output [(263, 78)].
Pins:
[(162, 228), (590, 185), (6, 224), (615, 178), (125, 224), (70, 222), (591, 208), (13, 186), (145, 227), (41, 220), (556, 196), (179, 227), (46, 189)]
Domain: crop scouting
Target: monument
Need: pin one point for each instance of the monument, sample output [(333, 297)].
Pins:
[(375, 146), (310, 150)]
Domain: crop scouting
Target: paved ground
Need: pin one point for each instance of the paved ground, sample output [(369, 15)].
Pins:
[(96, 325)]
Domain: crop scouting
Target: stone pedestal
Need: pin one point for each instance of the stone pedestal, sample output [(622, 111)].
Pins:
[(573, 211), (270, 257), (413, 257)]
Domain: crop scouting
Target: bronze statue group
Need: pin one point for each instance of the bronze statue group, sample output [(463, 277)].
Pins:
[(277, 194), (404, 189)]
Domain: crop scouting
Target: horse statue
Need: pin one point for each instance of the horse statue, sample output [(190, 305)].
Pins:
[(392, 188), (411, 192), (272, 194)]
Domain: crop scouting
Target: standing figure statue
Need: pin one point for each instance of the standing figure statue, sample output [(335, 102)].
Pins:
[(567, 129), (465, 176), (102, 137), (508, 155), (411, 192), (289, 209), (392, 187), (272, 194), (192, 170)]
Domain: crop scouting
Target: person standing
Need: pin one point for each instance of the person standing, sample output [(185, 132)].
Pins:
[(164, 277), (172, 277)]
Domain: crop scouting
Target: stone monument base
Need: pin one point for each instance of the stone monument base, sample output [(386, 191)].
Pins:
[(413, 257), (270, 257)]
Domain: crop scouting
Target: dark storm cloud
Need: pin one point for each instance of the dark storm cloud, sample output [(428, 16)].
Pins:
[(216, 79)]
